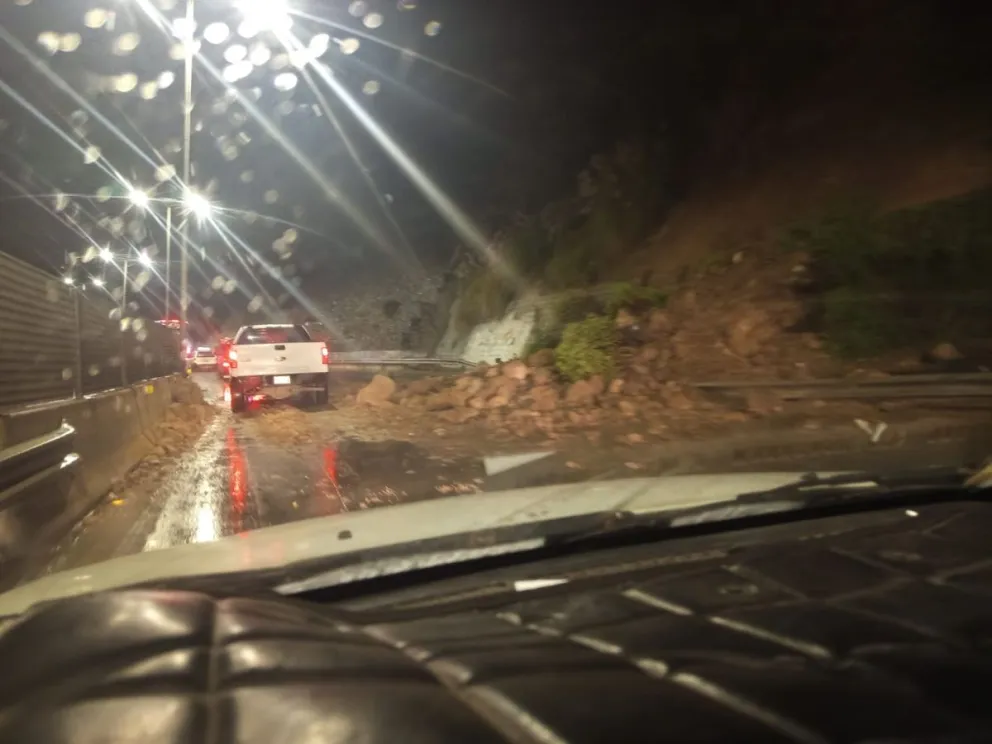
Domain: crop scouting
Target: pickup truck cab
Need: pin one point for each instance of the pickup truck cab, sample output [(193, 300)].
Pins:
[(276, 361)]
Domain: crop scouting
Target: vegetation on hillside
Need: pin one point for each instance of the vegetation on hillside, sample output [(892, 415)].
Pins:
[(909, 277)]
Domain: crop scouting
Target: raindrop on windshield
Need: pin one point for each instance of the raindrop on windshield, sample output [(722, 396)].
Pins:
[(285, 81), (70, 42), (433, 28), (91, 154), (235, 53), (126, 43), (95, 18), (349, 46), (371, 87), (373, 20), (216, 33), (358, 8)]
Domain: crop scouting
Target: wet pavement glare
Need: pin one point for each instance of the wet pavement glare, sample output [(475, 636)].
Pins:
[(256, 470)]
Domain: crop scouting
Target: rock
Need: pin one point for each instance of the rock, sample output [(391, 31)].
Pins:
[(946, 352), (625, 319), (477, 403), (491, 372), (542, 376), (583, 392), (448, 399), (459, 415), (598, 384), (505, 386), (634, 438), (515, 370), (675, 397), (474, 385), (425, 386), (541, 358), (616, 386), (763, 402), (497, 401), (627, 408), (414, 401), (544, 398), (648, 354), (659, 322), (750, 331), (378, 392)]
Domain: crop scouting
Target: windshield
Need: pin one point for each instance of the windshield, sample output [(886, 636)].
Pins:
[(532, 244), (271, 335)]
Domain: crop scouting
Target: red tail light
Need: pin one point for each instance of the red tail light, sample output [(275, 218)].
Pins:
[(232, 355), (324, 354)]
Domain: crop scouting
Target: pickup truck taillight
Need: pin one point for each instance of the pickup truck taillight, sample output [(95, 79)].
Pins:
[(324, 354)]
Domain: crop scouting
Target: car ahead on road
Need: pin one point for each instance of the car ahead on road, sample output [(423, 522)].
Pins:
[(205, 358), (276, 361)]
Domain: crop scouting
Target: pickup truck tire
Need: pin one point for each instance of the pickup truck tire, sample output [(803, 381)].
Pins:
[(321, 396), (237, 397)]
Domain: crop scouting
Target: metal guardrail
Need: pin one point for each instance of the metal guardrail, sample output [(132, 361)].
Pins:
[(353, 360), (950, 385), (58, 342), (31, 462)]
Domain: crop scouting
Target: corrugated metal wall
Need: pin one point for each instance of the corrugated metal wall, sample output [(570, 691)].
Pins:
[(57, 342)]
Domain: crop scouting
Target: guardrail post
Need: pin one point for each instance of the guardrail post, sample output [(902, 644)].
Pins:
[(77, 378)]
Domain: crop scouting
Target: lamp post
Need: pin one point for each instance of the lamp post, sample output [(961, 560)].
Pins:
[(187, 121)]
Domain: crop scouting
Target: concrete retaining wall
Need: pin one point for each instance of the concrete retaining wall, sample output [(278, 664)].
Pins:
[(114, 430)]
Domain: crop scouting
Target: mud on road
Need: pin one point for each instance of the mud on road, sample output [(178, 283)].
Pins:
[(283, 462)]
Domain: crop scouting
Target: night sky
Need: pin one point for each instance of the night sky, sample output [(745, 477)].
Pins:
[(496, 104)]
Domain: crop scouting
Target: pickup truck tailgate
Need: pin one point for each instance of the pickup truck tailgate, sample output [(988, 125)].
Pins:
[(277, 359)]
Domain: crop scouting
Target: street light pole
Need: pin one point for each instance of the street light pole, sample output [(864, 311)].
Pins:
[(127, 260), (168, 259), (187, 121)]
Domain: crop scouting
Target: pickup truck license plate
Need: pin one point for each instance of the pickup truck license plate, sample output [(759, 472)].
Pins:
[(281, 380)]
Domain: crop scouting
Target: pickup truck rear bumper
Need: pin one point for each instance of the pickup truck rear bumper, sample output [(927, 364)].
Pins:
[(266, 384)]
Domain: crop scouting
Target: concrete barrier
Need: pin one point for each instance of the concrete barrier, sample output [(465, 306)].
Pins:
[(113, 431)]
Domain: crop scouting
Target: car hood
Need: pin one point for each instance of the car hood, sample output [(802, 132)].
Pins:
[(391, 527)]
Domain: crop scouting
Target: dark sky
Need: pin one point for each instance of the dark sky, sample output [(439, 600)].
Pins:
[(498, 102)]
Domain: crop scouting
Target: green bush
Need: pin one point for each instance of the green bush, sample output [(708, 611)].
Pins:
[(587, 348), (860, 324), (626, 295)]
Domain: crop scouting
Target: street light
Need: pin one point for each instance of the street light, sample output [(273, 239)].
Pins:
[(106, 255), (144, 259), (97, 281), (138, 198), (198, 205)]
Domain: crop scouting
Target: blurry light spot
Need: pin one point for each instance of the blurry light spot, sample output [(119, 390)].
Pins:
[(285, 81), (220, 107), (103, 194), (298, 212), (93, 370), (319, 44), (237, 71), (23, 3), (248, 29), (208, 312), (230, 151), (433, 28), (255, 304), (165, 172), (229, 286), (95, 18), (218, 282), (290, 235), (285, 108), (148, 90), (259, 55), (166, 79), (280, 61), (271, 196), (373, 20), (70, 42), (126, 43), (91, 154), (235, 53), (358, 8), (177, 52), (371, 87), (61, 201), (183, 28), (216, 33), (406, 5), (247, 176), (249, 217), (166, 4), (49, 40), (349, 46), (125, 83), (66, 373)]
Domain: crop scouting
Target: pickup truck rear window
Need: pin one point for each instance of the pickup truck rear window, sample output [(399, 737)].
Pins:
[(277, 335)]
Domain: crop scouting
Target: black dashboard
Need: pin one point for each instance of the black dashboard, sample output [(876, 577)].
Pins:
[(872, 627)]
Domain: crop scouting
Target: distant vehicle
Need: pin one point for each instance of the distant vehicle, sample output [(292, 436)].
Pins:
[(204, 358), (276, 361)]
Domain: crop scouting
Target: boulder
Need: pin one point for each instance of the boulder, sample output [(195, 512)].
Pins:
[(541, 358), (459, 415), (544, 398), (674, 396), (497, 401), (425, 386), (625, 319), (751, 330), (763, 402), (583, 392), (378, 392), (616, 386), (515, 370), (659, 322), (542, 376), (946, 352), (627, 407)]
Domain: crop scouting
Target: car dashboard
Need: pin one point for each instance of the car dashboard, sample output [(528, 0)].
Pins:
[(850, 628)]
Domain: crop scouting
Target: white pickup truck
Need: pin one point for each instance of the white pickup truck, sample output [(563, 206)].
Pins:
[(276, 361)]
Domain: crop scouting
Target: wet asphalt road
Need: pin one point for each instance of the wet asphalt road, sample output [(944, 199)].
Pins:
[(235, 480)]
